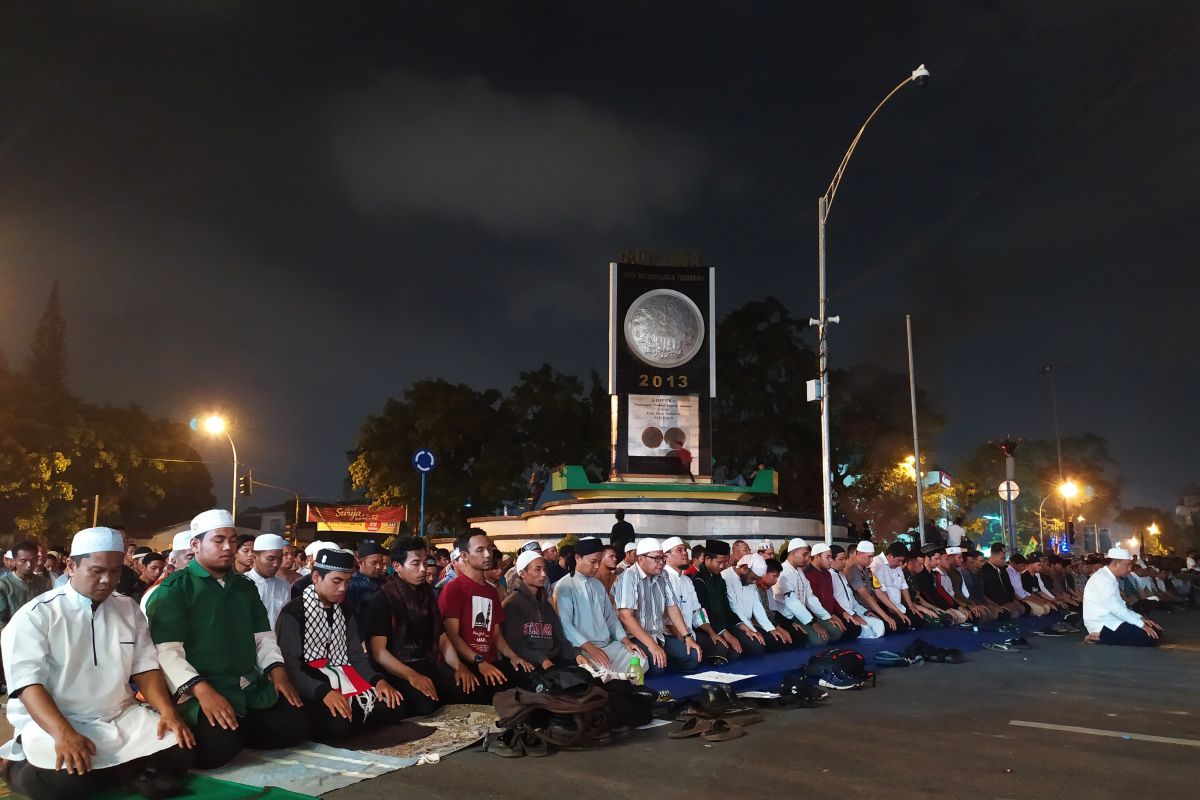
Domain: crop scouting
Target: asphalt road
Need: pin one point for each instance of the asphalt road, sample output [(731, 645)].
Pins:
[(936, 730)]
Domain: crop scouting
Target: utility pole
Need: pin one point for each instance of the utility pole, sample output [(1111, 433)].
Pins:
[(912, 393), (1049, 370)]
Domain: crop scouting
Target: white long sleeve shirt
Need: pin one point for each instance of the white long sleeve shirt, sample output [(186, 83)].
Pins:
[(1102, 603), (748, 607), (793, 597), (686, 598)]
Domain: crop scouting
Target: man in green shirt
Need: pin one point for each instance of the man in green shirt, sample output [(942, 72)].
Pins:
[(21, 585), (219, 654)]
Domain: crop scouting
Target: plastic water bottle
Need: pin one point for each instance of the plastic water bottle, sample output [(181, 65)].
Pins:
[(637, 673)]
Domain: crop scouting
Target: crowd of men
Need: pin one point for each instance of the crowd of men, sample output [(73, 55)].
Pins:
[(136, 666)]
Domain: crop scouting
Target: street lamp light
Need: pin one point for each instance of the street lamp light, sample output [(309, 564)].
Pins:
[(919, 76), (215, 425), (1067, 490)]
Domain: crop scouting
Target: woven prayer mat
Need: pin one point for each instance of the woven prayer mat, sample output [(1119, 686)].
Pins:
[(312, 768), (456, 727), (196, 786)]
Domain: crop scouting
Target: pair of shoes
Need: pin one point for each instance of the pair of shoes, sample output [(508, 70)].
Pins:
[(516, 743)]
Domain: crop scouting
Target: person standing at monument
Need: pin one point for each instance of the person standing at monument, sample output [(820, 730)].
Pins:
[(622, 533)]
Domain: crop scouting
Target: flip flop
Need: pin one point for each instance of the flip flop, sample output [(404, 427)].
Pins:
[(696, 726), (999, 647), (724, 731)]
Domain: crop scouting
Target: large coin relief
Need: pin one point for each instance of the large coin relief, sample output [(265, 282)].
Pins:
[(664, 328)]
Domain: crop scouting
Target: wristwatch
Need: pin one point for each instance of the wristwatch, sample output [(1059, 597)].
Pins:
[(478, 658)]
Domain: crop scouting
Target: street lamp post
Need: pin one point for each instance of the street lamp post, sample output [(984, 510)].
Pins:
[(919, 76), (215, 425), (1066, 490)]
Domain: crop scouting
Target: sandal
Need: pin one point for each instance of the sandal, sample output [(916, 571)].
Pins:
[(999, 647), (696, 726), (723, 731)]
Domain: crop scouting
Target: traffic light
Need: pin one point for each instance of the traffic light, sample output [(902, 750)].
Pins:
[(246, 484), (1071, 531)]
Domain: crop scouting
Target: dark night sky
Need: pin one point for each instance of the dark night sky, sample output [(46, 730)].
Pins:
[(292, 211)]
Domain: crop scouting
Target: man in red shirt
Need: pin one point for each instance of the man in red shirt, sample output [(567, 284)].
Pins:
[(471, 612), (822, 586)]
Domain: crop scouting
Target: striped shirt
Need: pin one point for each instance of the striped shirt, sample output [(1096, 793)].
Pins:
[(648, 597)]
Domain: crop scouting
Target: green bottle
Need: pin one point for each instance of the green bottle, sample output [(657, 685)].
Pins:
[(637, 673)]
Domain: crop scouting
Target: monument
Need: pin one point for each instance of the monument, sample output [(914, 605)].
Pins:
[(662, 379)]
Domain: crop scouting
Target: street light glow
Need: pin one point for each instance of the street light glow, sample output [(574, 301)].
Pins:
[(1069, 489), (214, 424), (1153, 529)]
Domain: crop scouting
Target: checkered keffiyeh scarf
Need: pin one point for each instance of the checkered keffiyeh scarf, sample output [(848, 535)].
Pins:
[(325, 650)]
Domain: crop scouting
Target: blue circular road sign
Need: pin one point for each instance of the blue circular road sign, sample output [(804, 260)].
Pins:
[(423, 460)]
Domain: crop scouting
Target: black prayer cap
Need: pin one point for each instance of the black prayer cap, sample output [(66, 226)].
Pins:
[(716, 547), (1017, 558), (585, 547), (332, 560), (897, 549), (370, 547)]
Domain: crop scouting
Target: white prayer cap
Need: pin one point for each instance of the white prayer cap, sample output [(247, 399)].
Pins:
[(629, 548), (820, 547), (673, 542), (1119, 553), (269, 541), (210, 521), (97, 540), (527, 558), (764, 545), (865, 546), (532, 544), (8, 553), (316, 547), (756, 563), (648, 545), (953, 551), (455, 554), (797, 544), (182, 541)]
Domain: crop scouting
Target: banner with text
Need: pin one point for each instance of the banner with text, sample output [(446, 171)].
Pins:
[(356, 519), (664, 425)]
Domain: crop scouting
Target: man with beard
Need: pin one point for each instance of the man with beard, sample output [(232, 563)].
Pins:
[(219, 654), (274, 591), (713, 594), (471, 612), (69, 659), (342, 690), (588, 618)]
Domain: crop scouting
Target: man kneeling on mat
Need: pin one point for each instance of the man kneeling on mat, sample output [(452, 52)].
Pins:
[(324, 656), (1107, 619)]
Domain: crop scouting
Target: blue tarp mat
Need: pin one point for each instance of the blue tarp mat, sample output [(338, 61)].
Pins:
[(769, 669)]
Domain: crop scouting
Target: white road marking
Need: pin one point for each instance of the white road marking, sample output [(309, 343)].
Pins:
[(1141, 737)]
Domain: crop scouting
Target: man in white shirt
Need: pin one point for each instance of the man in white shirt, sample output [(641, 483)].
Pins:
[(792, 599), (747, 605), (1107, 619), (955, 534), (181, 554), (274, 591), (713, 648), (891, 587), (69, 657), (872, 626)]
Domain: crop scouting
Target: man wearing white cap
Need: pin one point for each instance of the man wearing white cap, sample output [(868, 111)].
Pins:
[(758, 632), (181, 554), (1107, 619), (219, 654), (645, 604), (858, 576), (69, 658), (628, 559), (274, 591), (793, 599), (531, 625), (713, 647)]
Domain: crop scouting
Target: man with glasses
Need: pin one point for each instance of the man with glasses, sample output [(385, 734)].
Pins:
[(645, 605)]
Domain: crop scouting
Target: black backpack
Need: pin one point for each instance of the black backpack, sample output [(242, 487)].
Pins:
[(839, 668)]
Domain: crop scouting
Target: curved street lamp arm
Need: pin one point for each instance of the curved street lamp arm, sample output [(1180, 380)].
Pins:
[(837, 175)]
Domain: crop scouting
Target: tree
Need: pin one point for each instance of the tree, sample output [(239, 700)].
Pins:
[(556, 421), (47, 365), (761, 413), (1171, 538), (1086, 462), (478, 452)]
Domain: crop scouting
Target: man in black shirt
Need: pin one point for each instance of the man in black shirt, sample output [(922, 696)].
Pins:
[(993, 577), (622, 533)]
